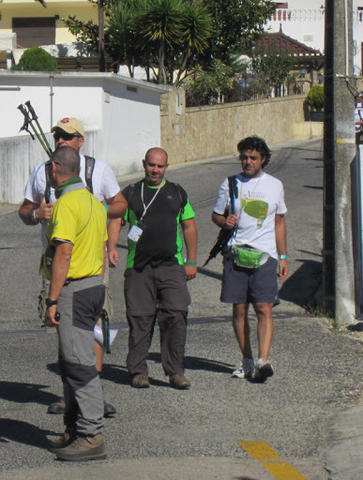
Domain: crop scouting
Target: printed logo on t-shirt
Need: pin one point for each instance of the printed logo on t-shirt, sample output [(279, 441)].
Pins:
[(255, 208)]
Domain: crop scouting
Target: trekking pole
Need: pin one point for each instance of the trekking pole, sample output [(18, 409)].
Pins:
[(34, 117), (27, 122), (25, 125)]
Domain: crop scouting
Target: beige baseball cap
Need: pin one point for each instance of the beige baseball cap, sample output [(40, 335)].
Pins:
[(70, 125)]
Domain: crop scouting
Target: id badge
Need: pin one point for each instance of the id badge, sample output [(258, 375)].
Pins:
[(135, 233)]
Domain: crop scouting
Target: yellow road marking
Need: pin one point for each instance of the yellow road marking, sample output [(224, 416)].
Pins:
[(345, 140), (266, 455)]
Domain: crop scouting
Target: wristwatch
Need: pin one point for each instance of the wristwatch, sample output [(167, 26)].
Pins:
[(50, 303)]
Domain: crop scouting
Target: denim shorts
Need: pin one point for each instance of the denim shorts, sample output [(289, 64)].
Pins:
[(250, 285)]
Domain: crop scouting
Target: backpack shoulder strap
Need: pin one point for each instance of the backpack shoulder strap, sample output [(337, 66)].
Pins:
[(47, 170), (180, 192), (89, 167), (233, 191)]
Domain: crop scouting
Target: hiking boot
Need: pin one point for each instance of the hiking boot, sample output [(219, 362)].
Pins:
[(83, 448), (180, 381), (140, 380), (63, 440), (244, 369), (108, 410), (263, 370), (57, 408)]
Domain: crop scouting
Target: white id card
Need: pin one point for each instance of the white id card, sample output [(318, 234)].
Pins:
[(135, 233)]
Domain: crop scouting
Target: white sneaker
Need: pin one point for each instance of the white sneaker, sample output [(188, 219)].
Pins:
[(263, 370), (244, 369)]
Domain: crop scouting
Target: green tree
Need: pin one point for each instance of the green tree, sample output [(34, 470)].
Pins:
[(271, 69), (122, 41), (209, 86), (236, 24), (173, 36), (37, 59)]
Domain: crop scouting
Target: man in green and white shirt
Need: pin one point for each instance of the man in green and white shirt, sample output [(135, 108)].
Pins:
[(156, 275)]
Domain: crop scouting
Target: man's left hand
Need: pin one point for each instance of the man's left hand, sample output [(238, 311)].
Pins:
[(50, 316), (191, 271), (283, 269)]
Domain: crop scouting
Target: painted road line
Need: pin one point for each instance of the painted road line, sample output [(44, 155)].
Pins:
[(266, 455)]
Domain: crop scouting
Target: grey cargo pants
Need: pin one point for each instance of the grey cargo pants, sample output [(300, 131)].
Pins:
[(79, 306)]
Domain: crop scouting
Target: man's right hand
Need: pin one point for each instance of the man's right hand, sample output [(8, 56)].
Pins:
[(44, 211), (230, 222)]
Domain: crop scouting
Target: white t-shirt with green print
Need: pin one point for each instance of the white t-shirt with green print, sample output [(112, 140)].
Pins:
[(259, 200)]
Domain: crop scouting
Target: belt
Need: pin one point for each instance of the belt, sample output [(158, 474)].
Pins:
[(70, 279)]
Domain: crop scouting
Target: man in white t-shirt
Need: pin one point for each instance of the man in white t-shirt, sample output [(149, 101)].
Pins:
[(254, 215), (35, 209)]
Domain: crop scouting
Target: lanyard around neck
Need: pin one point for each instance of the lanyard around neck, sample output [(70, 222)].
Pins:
[(146, 207)]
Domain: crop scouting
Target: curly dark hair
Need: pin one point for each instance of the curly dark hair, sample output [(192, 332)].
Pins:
[(258, 144)]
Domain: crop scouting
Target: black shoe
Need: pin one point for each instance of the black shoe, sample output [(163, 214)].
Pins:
[(109, 410), (263, 370)]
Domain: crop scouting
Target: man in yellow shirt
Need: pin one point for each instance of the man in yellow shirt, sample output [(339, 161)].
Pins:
[(74, 263)]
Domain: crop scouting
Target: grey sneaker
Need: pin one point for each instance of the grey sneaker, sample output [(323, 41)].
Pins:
[(263, 370), (244, 369), (83, 448)]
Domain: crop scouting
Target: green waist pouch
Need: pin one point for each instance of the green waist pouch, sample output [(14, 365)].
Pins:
[(248, 257)]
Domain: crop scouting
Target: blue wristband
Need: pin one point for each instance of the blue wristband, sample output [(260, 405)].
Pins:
[(189, 262)]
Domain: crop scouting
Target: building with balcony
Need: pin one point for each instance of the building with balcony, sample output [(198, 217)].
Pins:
[(306, 25)]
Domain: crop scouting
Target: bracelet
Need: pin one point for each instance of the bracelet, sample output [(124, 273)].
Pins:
[(190, 262), (283, 257), (35, 219), (50, 303)]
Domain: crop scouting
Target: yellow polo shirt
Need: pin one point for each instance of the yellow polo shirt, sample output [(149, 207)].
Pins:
[(80, 218)]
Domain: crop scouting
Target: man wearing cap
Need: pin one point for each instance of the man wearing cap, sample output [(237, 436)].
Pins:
[(34, 209)]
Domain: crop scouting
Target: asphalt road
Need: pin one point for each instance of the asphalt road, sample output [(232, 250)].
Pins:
[(163, 433)]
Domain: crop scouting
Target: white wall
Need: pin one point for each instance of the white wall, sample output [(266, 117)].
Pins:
[(121, 117), (126, 137)]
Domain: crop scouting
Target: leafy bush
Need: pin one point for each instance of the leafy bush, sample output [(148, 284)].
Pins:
[(37, 59), (315, 97)]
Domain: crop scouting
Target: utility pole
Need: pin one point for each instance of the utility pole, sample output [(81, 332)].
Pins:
[(339, 150), (101, 37)]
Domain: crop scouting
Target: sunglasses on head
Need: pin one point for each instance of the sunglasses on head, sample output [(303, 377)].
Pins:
[(65, 136)]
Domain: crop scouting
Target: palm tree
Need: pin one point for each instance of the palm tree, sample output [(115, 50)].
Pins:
[(197, 29), (162, 24)]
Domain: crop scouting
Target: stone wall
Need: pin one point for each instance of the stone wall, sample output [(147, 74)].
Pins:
[(195, 133)]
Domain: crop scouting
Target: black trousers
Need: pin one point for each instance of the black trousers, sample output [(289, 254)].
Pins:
[(157, 294)]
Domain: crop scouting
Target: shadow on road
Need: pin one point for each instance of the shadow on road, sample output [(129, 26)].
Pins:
[(301, 287), (26, 393), (23, 432), (198, 363)]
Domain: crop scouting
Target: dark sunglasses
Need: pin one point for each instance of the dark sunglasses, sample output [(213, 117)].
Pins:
[(65, 136)]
